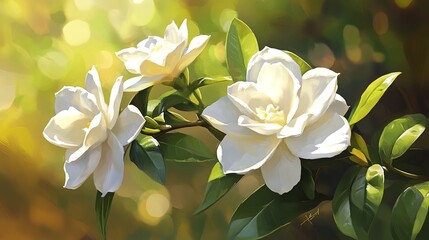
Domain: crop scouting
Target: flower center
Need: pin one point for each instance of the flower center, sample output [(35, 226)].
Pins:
[(87, 124), (155, 47), (271, 114)]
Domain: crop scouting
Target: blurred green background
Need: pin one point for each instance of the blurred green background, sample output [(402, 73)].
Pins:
[(46, 44)]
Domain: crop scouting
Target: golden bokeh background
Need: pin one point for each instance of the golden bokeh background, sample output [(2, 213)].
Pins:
[(46, 44)]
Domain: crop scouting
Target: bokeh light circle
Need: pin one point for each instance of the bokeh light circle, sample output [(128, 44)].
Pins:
[(76, 32)]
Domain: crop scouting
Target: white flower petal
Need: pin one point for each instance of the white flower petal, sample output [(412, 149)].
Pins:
[(195, 48), (66, 128), (132, 57), (149, 68), (78, 171), (241, 154), (282, 171), (157, 56), (172, 33), (295, 127), (271, 56), (93, 86), (318, 90), (281, 85), (74, 154), (183, 30), (96, 134), (115, 102), (147, 44), (163, 61), (223, 115), (173, 59), (259, 127), (247, 97), (158, 62), (128, 125), (77, 98), (110, 171), (339, 105), (136, 84), (327, 137), (96, 131)]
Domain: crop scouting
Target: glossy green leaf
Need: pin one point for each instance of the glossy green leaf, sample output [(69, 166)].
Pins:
[(371, 96), (359, 150), (102, 210), (358, 142), (176, 100), (358, 156), (207, 81), (151, 105), (374, 156), (146, 155), (249, 210), (173, 118), (303, 65), (182, 81), (241, 45), (218, 185), (141, 100), (215, 132), (265, 212), (410, 211), (307, 183), (366, 194), (398, 136), (341, 203), (150, 122), (180, 147)]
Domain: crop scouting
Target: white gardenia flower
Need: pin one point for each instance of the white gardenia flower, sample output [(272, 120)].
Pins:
[(278, 116), (160, 60), (93, 133)]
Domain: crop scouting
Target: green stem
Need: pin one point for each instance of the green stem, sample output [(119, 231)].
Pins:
[(162, 129), (200, 102), (166, 128)]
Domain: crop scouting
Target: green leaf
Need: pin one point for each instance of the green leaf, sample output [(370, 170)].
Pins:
[(265, 212), (374, 156), (358, 142), (241, 45), (398, 136), (180, 147), (303, 65), (366, 195), (307, 183), (141, 100), (207, 81), (359, 150), (174, 100), (181, 82), (146, 155), (151, 105), (216, 133), (410, 211), (150, 122), (173, 118), (102, 210), (218, 185), (341, 203), (358, 157), (371, 96)]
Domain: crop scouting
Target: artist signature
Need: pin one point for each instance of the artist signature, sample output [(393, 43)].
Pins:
[(309, 217)]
